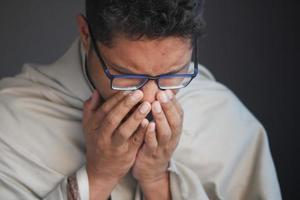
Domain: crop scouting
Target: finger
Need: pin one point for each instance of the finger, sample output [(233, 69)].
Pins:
[(89, 105), (151, 143), (138, 137), (173, 98), (125, 130), (109, 104), (97, 113), (115, 116), (162, 126), (172, 113)]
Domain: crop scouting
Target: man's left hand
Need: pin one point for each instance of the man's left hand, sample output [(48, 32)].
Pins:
[(161, 139)]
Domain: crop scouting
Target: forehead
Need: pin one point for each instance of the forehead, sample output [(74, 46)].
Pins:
[(148, 56)]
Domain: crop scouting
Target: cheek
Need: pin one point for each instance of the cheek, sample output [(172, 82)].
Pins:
[(103, 86), (100, 80)]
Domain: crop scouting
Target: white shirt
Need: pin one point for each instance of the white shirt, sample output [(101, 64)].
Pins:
[(223, 152)]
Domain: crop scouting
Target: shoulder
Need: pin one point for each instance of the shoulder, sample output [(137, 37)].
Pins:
[(212, 110), (222, 141), (35, 118)]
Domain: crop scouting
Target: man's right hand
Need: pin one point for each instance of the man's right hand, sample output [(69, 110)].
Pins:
[(112, 142)]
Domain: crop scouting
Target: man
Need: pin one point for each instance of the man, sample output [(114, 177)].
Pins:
[(125, 114)]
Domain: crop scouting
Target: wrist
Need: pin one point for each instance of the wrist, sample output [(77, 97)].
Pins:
[(149, 183), (100, 188), (158, 188)]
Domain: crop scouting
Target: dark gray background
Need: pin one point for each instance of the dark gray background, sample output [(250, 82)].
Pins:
[(250, 47)]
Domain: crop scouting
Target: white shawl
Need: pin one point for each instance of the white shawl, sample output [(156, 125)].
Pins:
[(223, 152)]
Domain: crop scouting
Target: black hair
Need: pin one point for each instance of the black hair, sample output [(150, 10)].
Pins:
[(150, 18)]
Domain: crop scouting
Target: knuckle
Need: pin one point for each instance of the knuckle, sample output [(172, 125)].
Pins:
[(137, 139), (123, 133), (137, 116), (165, 135), (121, 95), (94, 126), (99, 113), (153, 146), (110, 120), (128, 103), (160, 116), (176, 123), (105, 108), (177, 128), (151, 136), (151, 140)]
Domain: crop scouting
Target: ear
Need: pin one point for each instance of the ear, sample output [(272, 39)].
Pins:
[(83, 31)]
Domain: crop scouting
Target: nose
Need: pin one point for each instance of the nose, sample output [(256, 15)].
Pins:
[(150, 90)]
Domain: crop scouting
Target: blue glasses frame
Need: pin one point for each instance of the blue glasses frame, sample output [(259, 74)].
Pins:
[(145, 76)]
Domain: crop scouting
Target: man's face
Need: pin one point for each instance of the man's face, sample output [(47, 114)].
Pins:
[(144, 56)]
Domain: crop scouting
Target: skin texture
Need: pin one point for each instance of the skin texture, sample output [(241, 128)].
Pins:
[(119, 138)]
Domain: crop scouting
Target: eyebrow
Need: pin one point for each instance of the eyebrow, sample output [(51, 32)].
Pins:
[(124, 70)]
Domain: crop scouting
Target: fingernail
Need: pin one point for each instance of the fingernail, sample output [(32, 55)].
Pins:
[(152, 127), (163, 97), (170, 94), (156, 107), (144, 123), (144, 108), (136, 95)]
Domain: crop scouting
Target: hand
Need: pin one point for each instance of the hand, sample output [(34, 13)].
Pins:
[(112, 145), (161, 139)]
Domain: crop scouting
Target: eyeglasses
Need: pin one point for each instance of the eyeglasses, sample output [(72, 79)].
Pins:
[(137, 81)]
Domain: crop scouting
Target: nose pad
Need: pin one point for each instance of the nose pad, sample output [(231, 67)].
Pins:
[(150, 90)]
